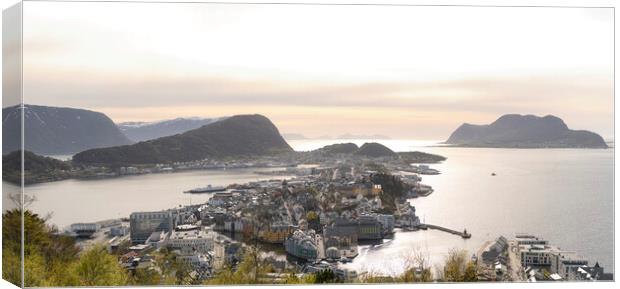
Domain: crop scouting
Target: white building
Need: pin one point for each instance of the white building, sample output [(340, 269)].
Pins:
[(198, 260), (536, 255), (191, 242), (567, 264)]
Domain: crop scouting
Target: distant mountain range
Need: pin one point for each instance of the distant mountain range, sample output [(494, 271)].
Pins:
[(362, 136), (58, 130), (141, 131), (241, 135), (347, 136), (525, 131), (293, 136)]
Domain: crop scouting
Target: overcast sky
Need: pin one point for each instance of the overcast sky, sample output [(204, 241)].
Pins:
[(405, 72)]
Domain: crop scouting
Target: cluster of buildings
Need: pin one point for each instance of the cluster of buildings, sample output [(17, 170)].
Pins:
[(319, 217), (536, 253), (206, 164), (535, 259)]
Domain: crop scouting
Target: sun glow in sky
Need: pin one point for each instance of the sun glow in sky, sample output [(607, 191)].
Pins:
[(406, 72)]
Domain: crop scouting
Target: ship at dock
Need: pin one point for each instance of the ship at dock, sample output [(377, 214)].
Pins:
[(207, 189)]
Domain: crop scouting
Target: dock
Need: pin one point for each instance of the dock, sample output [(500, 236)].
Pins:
[(464, 234)]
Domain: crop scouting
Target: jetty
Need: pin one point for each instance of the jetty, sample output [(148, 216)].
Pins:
[(464, 234)]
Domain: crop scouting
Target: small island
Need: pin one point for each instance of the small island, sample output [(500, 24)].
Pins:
[(524, 131)]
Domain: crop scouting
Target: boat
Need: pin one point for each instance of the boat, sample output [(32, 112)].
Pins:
[(207, 189)]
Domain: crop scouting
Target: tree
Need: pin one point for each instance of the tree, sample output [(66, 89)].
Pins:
[(325, 276), (293, 279), (249, 271), (35, 274), (98, 268), (146, 277), (45, 254), (458, 269), (183, 273), (11, 267), (417, 269), (471, 272), (311, 216)]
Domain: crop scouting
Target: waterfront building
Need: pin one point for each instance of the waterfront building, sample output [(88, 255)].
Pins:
[(220, 199), (142, 224), (368, 228), (407, 217), (277, 232), (128, 171), (365, 227), (526, 239), (85, 230), (596, 272), (387, 222), (566, 264), (536, 255), (191, 242), (119, 231), (302, 245), (494, 250)]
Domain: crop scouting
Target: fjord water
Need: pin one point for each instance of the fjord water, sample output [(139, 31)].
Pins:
[(563, 195), (72, 201)]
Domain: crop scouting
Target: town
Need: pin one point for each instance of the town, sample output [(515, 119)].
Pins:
[(317, 218)]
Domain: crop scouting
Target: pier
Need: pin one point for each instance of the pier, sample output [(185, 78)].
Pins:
[(464, 234)]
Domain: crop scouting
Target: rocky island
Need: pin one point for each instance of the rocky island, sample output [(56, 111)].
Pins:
[(524, 131)]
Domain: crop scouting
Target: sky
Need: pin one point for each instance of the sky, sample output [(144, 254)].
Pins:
[(402, 71)]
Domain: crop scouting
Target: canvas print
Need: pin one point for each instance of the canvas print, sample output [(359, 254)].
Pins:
[(221, 144)]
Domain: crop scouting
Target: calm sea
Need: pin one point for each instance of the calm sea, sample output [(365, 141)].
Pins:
[(563, 195), (72, 201)]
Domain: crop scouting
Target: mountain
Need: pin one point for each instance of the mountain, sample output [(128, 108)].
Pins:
[(525, 131), (354, 136), (240, 135), (141, 131), (36, 168), (339, 148), (375, 150), (58, 130), (293, 136)]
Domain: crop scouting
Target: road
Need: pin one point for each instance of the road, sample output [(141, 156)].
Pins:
[(515, 270)]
